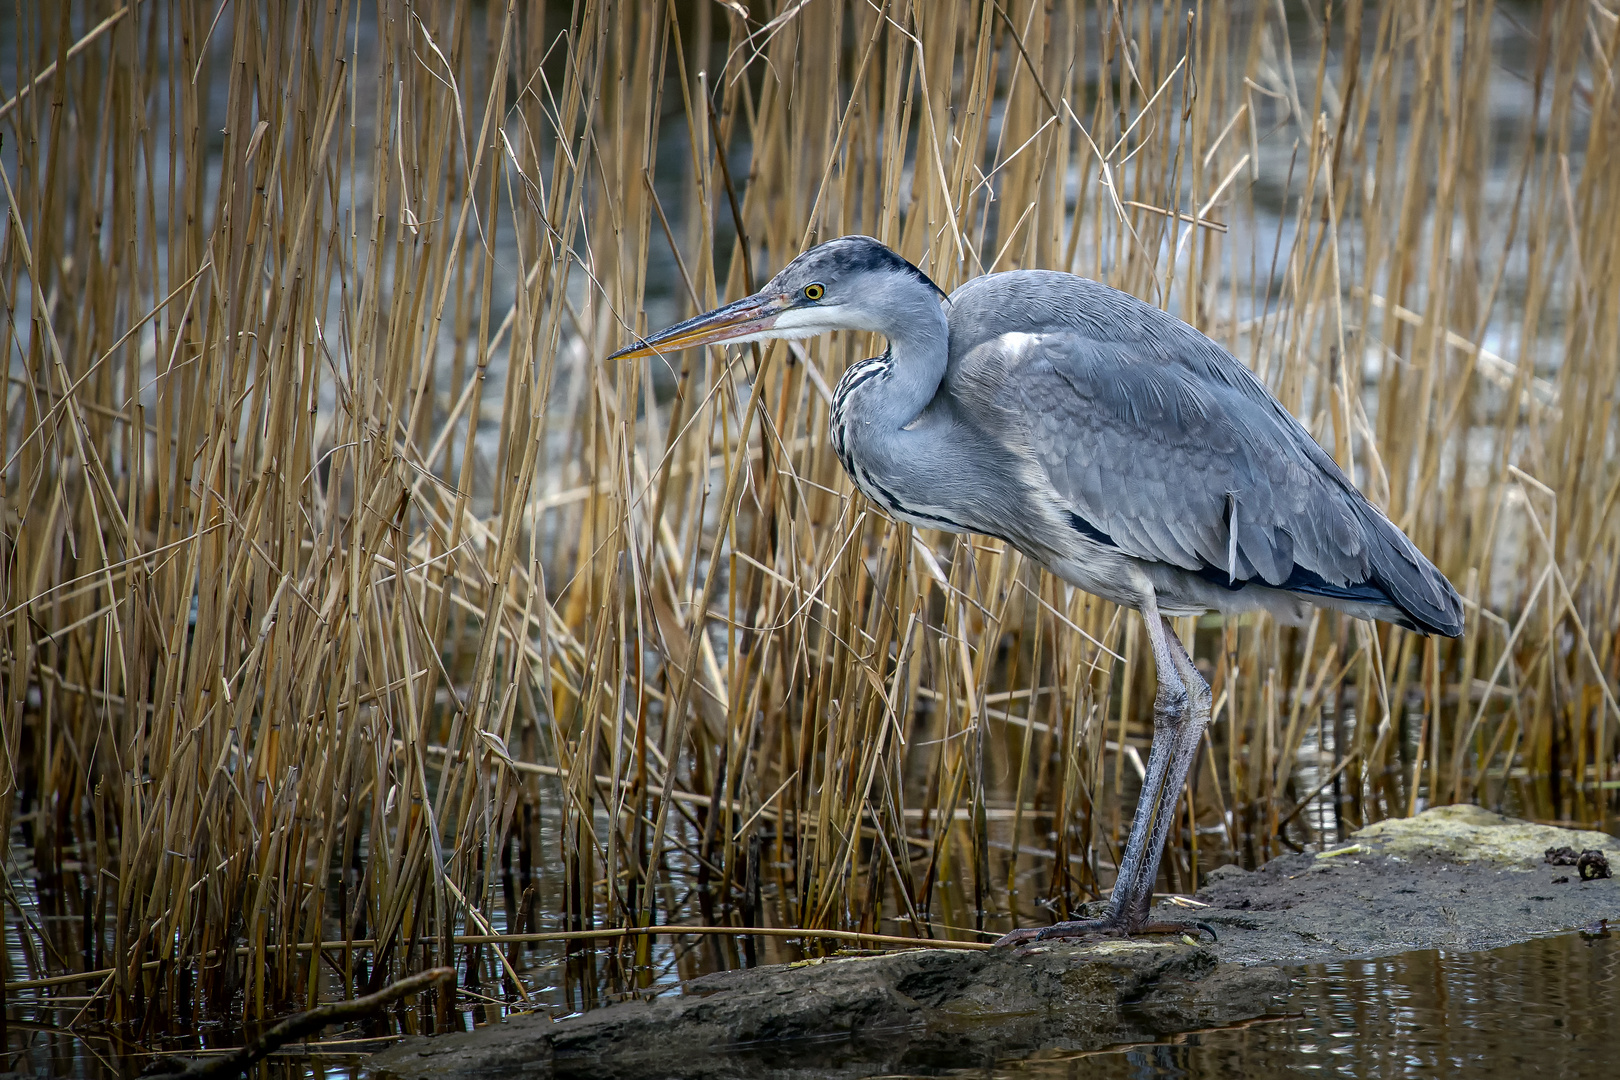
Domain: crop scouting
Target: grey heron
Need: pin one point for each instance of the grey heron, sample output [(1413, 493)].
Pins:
[(1111, 443)]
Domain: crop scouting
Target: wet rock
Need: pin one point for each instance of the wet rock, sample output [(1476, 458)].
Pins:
[(1453, 877), (909, 1011)]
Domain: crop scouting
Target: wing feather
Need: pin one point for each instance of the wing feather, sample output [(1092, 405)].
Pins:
[(1158, 438)]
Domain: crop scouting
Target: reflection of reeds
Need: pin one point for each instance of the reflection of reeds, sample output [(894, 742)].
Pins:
[(1406, 1007), (293, 654)]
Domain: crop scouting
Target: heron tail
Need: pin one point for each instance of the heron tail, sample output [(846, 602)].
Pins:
[(1410, 580)]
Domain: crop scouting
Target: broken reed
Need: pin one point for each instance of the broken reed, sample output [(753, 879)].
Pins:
[(349, 595)]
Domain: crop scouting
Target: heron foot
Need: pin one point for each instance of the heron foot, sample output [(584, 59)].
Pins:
[(1103, 929)]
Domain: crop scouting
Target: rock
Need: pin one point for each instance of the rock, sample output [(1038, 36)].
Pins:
[(1452, 877), (904, 1011), (1229, 872), (1469, 835)]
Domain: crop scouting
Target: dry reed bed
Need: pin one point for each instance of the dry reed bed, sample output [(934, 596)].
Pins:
[(300, 663)]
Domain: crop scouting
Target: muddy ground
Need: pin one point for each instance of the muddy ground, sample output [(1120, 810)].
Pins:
[(1455, 878)]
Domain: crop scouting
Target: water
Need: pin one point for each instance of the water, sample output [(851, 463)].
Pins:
[(1543, 1008)]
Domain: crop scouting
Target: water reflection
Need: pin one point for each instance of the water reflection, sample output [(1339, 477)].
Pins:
[(1545, 1007)]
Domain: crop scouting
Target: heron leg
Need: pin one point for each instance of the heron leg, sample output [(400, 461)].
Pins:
[(1180, 712), (1139, 868), (1184, 753)]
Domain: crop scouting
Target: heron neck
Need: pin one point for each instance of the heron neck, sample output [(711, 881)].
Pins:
[(919, 347)]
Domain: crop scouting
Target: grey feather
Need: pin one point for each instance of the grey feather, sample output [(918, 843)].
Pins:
[(1116, 445), (1149, 430)]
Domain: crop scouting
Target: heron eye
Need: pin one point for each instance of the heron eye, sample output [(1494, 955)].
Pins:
[(815, 291)]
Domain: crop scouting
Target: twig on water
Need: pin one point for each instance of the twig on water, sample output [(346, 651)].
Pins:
[(309, 1022)]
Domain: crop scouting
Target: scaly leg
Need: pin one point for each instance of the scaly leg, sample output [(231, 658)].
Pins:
[(1185, 753), (1179, 718)]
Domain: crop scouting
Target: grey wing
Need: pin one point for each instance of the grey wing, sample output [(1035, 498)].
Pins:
[(1167, 448)]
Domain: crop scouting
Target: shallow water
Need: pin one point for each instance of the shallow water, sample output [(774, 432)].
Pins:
[(1544, 1008)]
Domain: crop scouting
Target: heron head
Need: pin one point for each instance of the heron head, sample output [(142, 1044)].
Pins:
[(851, 283)]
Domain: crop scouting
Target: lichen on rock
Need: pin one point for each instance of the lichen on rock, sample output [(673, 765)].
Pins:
[(1466, 834)]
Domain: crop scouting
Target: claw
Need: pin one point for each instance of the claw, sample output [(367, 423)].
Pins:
[(1018, 937)]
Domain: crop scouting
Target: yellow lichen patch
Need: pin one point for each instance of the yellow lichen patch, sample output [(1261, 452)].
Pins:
[(1470, 834), (1115, 948)]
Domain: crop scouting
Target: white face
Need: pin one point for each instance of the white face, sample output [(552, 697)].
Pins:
[(803, 322)]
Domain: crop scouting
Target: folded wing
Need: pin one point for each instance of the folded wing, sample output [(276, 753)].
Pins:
[(1159, 442)]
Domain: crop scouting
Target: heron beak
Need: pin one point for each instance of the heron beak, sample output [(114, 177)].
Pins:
[(740, 318)]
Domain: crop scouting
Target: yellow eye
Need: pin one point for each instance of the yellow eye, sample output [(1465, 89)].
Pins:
[(815, 291)]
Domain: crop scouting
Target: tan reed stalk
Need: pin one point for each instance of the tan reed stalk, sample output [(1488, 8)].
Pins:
[(351, 600)]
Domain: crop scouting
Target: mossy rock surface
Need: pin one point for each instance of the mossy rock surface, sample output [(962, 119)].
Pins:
[(1469, 835), (1455, 877)]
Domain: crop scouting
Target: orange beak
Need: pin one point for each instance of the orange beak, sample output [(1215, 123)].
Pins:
[(740, 318)]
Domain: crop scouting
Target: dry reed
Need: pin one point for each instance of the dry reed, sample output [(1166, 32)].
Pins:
[(359, 619)]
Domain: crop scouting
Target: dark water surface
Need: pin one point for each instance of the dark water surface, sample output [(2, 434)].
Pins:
[(1549, 1007)]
